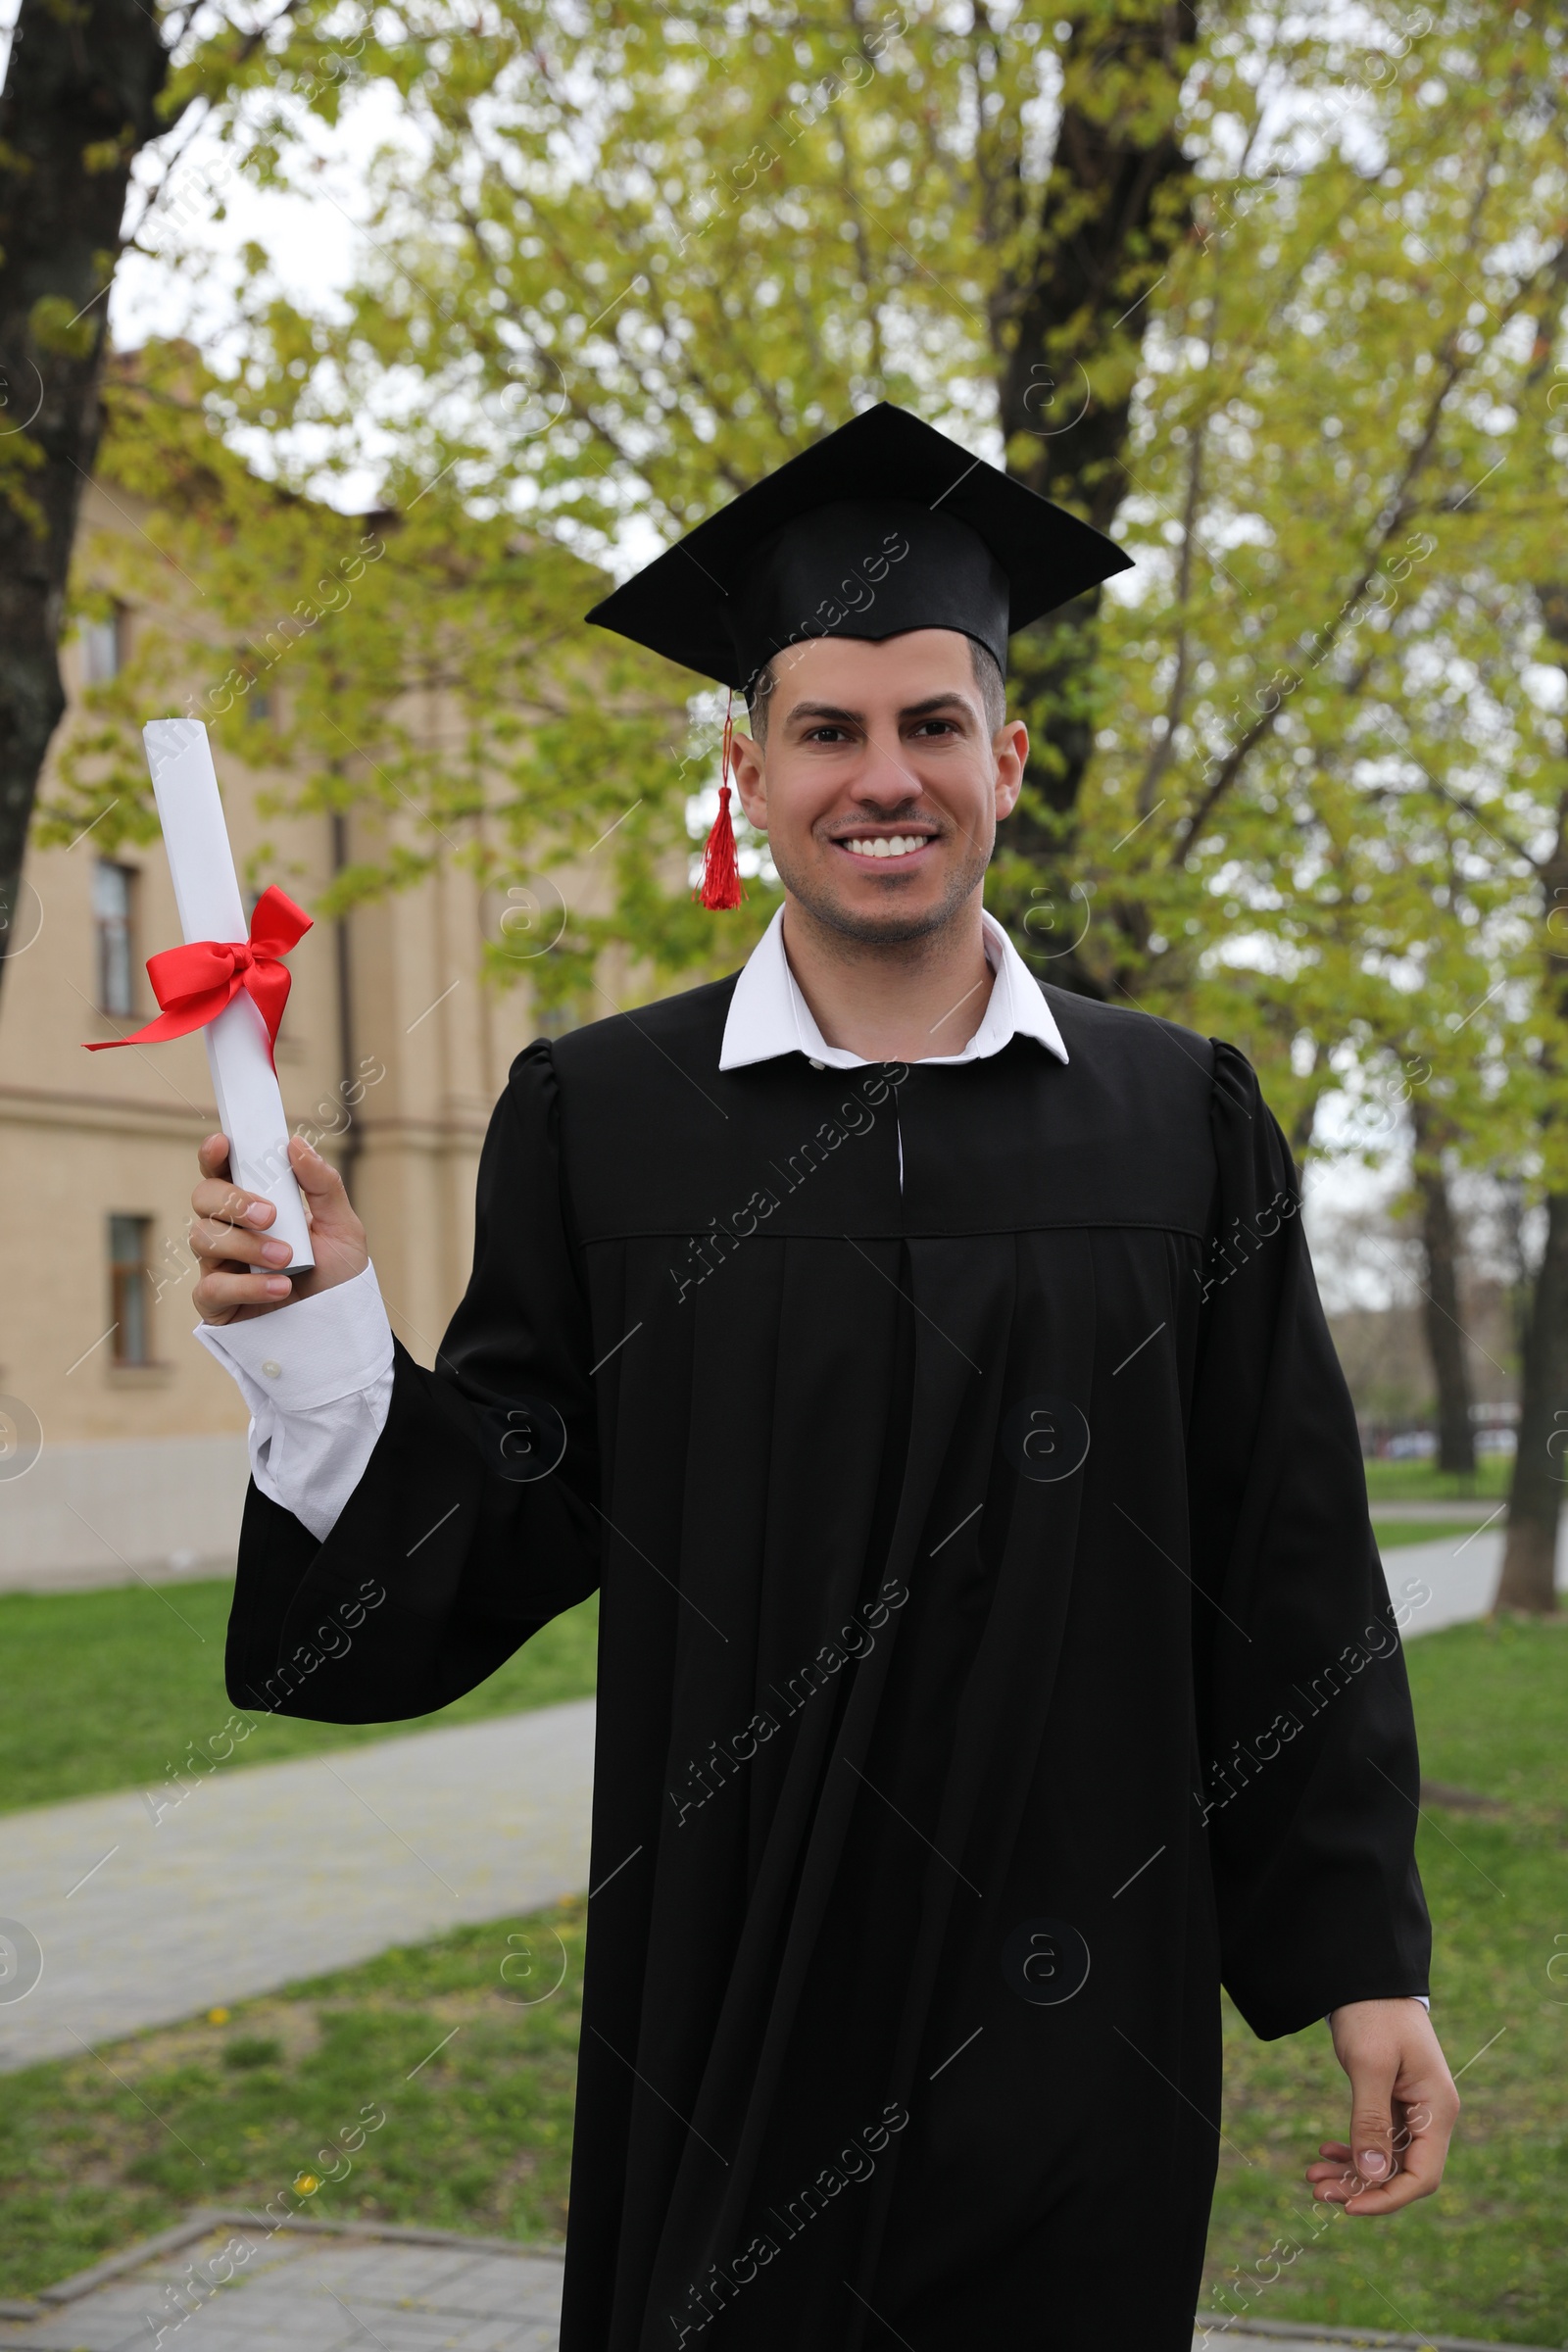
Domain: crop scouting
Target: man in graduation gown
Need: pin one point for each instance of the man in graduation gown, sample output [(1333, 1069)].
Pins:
[(925, 1367)]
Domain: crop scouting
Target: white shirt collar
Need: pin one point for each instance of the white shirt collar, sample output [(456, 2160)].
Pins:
[(769, 1015)]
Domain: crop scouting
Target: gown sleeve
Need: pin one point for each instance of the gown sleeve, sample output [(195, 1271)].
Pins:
[(1307, 1753), (474, 1522)]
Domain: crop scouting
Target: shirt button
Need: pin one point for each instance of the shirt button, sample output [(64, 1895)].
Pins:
[(272, 1370), (817, 1065)]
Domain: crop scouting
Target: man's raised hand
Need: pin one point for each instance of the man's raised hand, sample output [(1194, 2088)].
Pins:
[(1403, 2110), (238, 1264)]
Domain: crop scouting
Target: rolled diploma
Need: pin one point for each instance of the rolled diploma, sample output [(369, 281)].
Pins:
[(239, 1054)]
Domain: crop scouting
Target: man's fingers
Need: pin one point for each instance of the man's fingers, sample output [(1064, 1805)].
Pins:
[(220, 1293), (328, 1205), (1372, 2081), (212, 1238), (1334, 2179), (1420, 2147), (317, 1177), (1337, 2182), (1415, 2179), (222, 1203), (217, 1197), (212, 1156), (1419, 2174), (240, 1259)]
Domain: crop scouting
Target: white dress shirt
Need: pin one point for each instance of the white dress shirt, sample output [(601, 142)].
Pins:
[(317, 1374), (769, 1015)]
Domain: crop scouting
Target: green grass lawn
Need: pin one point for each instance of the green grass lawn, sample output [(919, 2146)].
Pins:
[(1419, 1482), (264, 2102), (102, 1691), (1393, 1533), (1486, 2257)]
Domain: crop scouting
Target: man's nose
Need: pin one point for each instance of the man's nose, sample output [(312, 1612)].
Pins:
[(886, 776)]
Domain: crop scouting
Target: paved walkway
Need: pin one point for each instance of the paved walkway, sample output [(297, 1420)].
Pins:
[(76, 1575), (1453, 1581), (1469, 1509), (234, 2288), (237, 2289), (264, 1876)]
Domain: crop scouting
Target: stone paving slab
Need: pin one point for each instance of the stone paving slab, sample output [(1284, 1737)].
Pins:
[(94, 1576), (238, 2288), (226, 2283), (1457, 1574), (282, 1871), (1474, 1510)]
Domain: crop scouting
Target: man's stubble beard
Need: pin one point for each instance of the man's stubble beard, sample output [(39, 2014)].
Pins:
[(893, 928)]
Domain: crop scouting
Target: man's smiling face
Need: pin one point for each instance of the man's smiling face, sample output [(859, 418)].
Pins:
[(881, 783)]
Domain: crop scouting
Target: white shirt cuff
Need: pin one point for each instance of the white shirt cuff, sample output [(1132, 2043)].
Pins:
[(317, 1376)]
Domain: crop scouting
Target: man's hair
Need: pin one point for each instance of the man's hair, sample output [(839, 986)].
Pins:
[(982, 665)]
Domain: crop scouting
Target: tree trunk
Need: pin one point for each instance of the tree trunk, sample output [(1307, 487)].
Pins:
[(1534, 1497), (1540, 1467), (78, 102), (1440, 1300), (1117, 204)]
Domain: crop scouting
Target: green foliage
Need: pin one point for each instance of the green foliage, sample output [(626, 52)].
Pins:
[(125, 1687), (54, 326), (1331, 768), (620, 261)]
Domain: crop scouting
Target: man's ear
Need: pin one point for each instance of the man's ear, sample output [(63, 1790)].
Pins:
[(747, 768), (1010, 746)]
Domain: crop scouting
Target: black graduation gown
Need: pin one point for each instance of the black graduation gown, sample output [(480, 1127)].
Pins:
[(995, 1657)]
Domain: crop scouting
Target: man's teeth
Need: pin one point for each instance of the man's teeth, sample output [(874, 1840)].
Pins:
[(888, 844)]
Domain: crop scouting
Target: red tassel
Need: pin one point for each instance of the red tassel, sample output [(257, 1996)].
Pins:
[(720, 887)]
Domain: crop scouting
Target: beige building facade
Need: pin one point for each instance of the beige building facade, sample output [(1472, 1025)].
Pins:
[(122, 1442)]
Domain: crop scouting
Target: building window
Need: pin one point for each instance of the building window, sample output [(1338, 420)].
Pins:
[(130, 1290), (113, 912), (102, 649)]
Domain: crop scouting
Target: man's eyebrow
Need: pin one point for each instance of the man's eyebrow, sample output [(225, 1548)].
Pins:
[(825, 710), (937, 702), (837, 715)]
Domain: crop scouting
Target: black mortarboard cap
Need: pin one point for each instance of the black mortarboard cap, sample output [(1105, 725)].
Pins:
[(885, 526)]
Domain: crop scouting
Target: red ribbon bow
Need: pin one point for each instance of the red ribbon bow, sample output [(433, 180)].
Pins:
[(194, 983)]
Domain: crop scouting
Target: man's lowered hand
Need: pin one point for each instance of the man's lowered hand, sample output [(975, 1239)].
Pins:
[(1403, 2110)]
